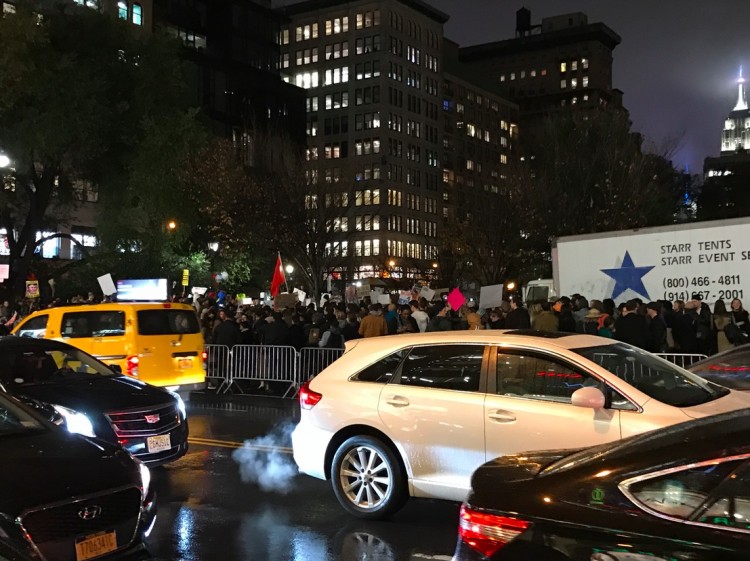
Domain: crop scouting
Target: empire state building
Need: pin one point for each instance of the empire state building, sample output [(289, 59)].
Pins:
[(736, 134)]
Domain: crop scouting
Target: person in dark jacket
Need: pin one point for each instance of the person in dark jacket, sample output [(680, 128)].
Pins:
[(441, 321), (565, 320), (297, 337), (518, 317), (351, 327), (656, 336), (631, 327), (277, 332), (226, 333)]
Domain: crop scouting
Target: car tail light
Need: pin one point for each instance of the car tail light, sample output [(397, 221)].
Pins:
[(132, 366), (487, 533), (308, 398), (204, 356)]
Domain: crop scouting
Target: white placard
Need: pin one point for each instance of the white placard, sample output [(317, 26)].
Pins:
[(669, 263), (427, 293), (198, 290), (490, 296), (384, 299), (374, 296), (107, 284), (301, 295)]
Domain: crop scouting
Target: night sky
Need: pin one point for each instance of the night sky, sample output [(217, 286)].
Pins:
[(677, 63)]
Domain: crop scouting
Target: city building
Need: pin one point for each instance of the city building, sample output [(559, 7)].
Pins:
[(563, 61), (372, 71), (724, 193)]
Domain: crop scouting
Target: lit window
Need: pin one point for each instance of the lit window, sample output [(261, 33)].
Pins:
[(502, 77), (584, 63), (122, 10), (533, 73), (585, 81), (574, 83), (563, 67), (563, 84), (137, 14), (512, 75), (574, 66)]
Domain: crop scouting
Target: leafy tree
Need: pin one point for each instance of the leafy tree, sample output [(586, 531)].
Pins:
[(83, 98)]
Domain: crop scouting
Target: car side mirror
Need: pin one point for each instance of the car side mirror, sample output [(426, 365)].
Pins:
[(590, 397), (116, 368)]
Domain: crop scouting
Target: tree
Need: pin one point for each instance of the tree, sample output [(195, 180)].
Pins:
[(589, 173), (81, 95)]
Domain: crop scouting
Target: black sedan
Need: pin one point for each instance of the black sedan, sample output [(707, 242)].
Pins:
[(66, 496), (681, 493), (730, 368), (147, 421)]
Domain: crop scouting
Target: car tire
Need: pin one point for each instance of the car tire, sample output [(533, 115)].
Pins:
[(367, 478)]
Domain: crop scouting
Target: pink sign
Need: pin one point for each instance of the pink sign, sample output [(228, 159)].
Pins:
[(456, 299)]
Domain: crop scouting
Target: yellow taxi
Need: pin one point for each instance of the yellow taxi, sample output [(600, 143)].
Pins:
[(158, 343)]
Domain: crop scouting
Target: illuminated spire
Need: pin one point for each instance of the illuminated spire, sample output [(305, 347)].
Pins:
[(741, 99)]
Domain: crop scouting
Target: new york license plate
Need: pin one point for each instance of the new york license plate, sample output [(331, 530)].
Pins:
[(95, 545), (185, 363), (158, 443)]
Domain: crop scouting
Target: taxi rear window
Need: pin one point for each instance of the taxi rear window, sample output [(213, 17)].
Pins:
[(167, 322)]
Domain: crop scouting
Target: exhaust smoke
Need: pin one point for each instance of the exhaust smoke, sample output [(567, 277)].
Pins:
[(267, 460)]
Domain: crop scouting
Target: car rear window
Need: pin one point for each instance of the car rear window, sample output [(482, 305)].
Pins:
[(167, 322), (93, 324)]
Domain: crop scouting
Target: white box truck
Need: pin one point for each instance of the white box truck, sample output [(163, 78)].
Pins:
[(661, 263)]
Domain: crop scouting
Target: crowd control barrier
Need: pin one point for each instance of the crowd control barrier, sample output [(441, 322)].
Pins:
[(680, 359), (246, 367)]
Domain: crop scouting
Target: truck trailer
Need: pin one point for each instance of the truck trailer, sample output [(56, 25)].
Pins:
[(675, 262)]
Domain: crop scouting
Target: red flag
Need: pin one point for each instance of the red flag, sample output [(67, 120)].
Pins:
[(278, 278)]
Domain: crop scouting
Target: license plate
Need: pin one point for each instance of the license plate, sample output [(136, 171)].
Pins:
[(186, 363), (95, 545), (158, 443)]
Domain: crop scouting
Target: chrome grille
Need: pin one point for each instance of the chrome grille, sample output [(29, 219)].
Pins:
[(134, 423), (119, 509)]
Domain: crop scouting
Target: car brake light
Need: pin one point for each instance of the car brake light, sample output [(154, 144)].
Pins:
[(132, 366), (487, 533), (308, 398)]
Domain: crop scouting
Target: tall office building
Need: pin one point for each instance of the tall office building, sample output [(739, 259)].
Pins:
[(372, 71), (563, 61)]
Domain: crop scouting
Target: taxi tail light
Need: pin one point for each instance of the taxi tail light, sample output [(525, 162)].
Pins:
[(204, 356), (132, 366), (307, 397), (486, 533)]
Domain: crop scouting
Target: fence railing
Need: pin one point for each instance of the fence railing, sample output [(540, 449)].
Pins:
[(252, 367)]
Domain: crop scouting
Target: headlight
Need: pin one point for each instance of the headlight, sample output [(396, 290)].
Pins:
[(145, 478), (75, 422), (180, 403)]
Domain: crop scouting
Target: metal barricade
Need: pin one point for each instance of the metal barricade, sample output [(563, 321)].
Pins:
[(218, 367), (313, 360), (683, 360), (263, 364)]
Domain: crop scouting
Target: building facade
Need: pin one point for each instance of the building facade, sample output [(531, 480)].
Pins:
[(372, 71), (563, 61)]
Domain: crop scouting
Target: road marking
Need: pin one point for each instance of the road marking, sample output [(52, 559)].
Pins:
[(230, 444)]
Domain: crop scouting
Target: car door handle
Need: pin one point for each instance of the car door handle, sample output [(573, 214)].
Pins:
[(397, 401), (502, 416)]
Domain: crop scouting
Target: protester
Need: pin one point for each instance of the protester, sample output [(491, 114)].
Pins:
[(631, 326), (373, 324), (518, 317)]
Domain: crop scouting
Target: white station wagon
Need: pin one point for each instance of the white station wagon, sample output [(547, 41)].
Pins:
[(415, 415)]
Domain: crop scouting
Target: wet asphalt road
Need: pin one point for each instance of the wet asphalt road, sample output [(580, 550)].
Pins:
[(206, 512)]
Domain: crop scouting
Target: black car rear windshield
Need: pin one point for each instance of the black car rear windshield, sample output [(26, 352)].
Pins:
[(167, 322), (657, 378)]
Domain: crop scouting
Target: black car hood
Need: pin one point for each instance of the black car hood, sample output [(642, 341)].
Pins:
[(488, 479), (97, 393), (63, 466)]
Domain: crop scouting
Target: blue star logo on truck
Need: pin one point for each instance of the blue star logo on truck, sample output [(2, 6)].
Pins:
[(628, 276)]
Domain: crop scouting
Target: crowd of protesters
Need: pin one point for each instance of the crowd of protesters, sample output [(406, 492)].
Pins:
[(660, 326)]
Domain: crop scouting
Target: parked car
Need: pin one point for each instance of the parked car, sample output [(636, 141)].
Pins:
[(415, 415), (159, 343), (66, 496), (678, 493), (730, 368), (94, 400)]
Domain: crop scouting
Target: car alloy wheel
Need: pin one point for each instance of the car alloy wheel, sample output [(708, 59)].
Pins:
[(367, 478)]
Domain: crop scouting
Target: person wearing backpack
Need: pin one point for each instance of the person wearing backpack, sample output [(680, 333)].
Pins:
[(332, 337)]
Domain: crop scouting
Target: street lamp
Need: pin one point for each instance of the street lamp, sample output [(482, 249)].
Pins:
[(171, 225), (289, 269), (391, 263), (4, 160)]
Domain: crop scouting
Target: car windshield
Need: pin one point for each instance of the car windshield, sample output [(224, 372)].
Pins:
[(728, 369), (14, 420), (24, 366), (653, 376)]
